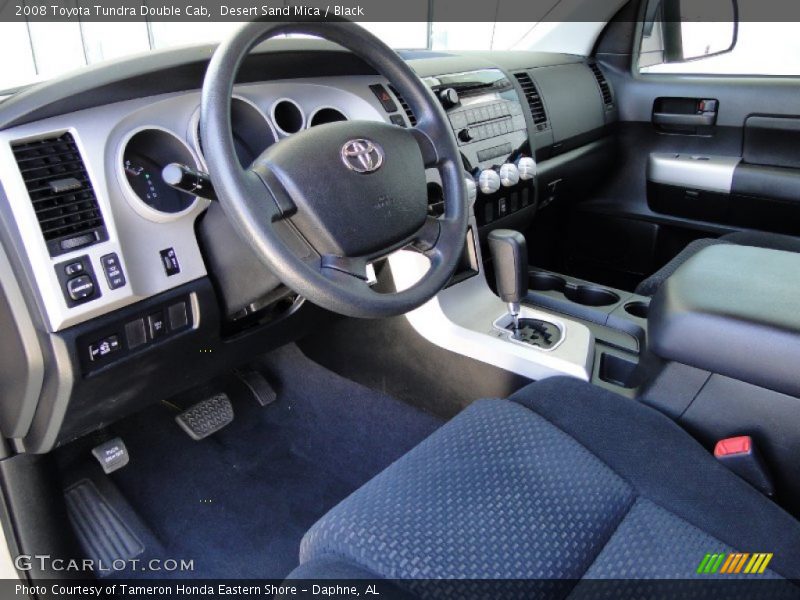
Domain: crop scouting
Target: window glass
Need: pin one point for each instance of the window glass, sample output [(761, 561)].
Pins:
[(761, 49)]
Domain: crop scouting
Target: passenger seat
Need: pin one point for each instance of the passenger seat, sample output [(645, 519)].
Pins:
[(562, 482)]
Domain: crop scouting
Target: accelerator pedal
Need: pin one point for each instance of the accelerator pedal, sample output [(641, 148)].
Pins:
[(206, 417), (258, 385)]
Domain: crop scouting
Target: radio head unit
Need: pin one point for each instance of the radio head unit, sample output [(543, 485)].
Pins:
[(485, 114), (487, 118)]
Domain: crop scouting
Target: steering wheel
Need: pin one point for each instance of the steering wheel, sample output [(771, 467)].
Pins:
[(319, 206)]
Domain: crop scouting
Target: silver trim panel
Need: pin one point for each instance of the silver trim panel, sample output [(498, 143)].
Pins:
[(99, 134), (462, 319), (692, 171)]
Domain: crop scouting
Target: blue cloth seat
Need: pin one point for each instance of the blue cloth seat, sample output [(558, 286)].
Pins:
[(563, 481)]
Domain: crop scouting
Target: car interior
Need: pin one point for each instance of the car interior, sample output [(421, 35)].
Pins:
[(304, 307)]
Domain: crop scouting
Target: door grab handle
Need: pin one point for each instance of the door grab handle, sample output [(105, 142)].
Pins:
[(690, 120)]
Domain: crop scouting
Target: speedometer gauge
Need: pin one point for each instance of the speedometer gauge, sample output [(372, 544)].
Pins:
[(144, 157)]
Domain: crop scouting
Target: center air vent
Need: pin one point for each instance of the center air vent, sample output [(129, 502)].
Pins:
[(534, 100), (406, 108), (61, 193), (605, 89)]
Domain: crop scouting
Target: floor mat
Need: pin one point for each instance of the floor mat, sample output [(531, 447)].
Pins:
[(238, 502)]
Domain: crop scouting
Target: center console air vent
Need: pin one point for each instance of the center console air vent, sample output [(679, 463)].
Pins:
[(605, 89), (406, 108), (534, 99), (61, 193)]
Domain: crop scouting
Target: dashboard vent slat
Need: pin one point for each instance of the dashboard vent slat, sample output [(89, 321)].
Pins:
[(60, 191), (605, 89), (406, 108), (534, 99)]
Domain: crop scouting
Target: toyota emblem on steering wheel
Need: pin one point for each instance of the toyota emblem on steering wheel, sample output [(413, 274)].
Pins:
[(362, 156)]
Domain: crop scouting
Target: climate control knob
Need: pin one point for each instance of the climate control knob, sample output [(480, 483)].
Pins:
[(448, 97), (489, 181), (466, 135), (527, 168), (509, 175), (472, 189)]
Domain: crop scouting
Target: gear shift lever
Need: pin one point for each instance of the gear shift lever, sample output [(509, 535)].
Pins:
[(510, 256)]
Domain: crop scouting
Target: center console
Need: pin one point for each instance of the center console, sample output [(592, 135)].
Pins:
[(490, 126)]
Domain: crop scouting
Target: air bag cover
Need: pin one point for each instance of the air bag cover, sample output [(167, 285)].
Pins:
[(733, 310)]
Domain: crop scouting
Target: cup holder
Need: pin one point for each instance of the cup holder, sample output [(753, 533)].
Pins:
[(587, 295), (590, 295), (546, 282), (637, 309)]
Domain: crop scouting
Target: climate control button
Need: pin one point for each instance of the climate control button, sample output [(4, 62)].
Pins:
[(489, 181), (527, 168), (509, 175), (472, 189)]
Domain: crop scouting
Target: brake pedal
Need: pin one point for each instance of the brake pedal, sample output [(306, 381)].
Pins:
[(206, 417), (258, 386)]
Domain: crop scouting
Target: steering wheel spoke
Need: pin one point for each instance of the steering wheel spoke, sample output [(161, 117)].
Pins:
[(283, 206), (430, 156), (427, 236), (355, 267)]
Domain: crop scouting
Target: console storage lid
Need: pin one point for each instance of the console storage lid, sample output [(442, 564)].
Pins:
[(733, 310)]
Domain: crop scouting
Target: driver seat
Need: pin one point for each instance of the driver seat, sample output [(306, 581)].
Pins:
[(563, 481)]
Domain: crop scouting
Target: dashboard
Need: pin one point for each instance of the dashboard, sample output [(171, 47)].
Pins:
[(103, 263)]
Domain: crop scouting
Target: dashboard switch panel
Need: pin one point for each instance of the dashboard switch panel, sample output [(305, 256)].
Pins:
[(104, 347), (136, 333), (157, 325), (113, 270), (80, 288), (170, 261), (77, 281), (384, 98)]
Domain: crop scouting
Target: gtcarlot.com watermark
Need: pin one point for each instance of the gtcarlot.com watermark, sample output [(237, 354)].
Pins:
[(45, 562)]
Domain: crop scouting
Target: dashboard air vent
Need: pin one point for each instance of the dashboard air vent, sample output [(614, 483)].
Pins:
[(534, 99), (406, 108), (61, 193), (605, 89)]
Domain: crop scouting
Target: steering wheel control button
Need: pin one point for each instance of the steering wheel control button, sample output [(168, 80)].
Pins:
[(102, 348), (509, 175), (362, 156), (527, 168), (489, 181), (135, 333), (157, 325), (80, 288), (178, 317), (170, 261), (384, 97), (113, 270), (73, 269)]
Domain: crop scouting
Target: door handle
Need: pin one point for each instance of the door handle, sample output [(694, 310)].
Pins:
[(689, 120)]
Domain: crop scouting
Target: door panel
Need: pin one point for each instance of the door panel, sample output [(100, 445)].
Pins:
[(700, 156)]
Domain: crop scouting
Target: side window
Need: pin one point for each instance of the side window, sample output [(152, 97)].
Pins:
[(687, 36)]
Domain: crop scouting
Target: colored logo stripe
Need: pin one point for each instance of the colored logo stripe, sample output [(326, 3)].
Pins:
[(734, 562)]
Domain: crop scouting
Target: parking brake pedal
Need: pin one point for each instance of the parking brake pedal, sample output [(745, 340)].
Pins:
[(206, 417)]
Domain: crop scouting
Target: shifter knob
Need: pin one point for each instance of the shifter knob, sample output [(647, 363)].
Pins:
[(510, 257)]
